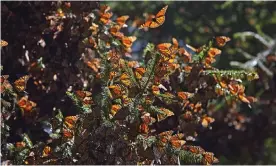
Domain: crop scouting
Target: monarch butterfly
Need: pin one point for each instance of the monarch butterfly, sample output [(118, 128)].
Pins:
[(121, 20), (187, 116), (164, 137), (164, 114), (5, 84), (127, 41), (222, 40), (147, 119), (184, 95), (94, 28), (213, 52), (187, 57), (177, 136), (125, 79), (87, 101), (194, 149), (157, 20), (144, 128), (206, 121), (20, 84), (4, 43), (82, 94), (46, 151), (70, 121), (116, 91), (168, 49), (177, 143), (115, 31), (139, 72), (104, 14), (67, 133), (114, 109), (113, 56), (104, 8), (85, 97), (20, 144), (25, 104), (209, 158), (94, 64), (112, 75), (155, 89)]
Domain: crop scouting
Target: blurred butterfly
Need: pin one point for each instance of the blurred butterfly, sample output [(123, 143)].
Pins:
[(139, 72), (157, 20), (209, 158), (112, 75), (168, 49), (70, 121), (94, 64), (187, 57), (177, 144), (194, 149), (164, 138), (104, 8), (222, 40), (184, 95), (67, 133), (4, 43), (5, 84), (26, 104), (46, 151), (147, 119), (121, 20), (206, 121), (20, 144), (104, 14), (213, 52), (163, 114), (116, 91), (82, 94), (144, 128), (125, 79), (84, 97), (128, 41), (115, 31), (20, 84), (114, 109)]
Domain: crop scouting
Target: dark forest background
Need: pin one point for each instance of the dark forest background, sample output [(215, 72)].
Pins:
[(248, 140)]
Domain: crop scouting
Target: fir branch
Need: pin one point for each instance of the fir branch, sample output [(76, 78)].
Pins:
[(186, 157), (233, 74)]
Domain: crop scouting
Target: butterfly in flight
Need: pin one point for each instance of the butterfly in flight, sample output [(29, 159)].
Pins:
[(155, 21)]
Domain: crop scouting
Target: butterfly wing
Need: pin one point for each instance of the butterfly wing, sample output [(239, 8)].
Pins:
[(20, 84), (121, 20), (3, 43), (162, 12)]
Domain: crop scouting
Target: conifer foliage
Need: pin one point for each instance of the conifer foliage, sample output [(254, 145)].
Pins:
[(125, 111)]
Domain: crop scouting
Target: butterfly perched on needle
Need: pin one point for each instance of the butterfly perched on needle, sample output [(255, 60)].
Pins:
[(155, 21), (20, 84)]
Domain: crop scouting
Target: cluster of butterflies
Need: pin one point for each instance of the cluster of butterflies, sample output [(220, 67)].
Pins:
[(229, 86), (69, 125), (175, 141), (208, 157), (19, 85), (153, 21)]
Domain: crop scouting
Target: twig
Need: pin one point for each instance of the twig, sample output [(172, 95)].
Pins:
[(257, 36)]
